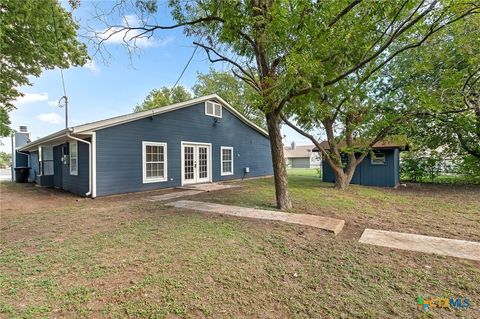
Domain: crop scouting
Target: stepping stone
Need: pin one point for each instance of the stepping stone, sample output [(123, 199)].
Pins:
[(164, 197), (426, 244), (329, 224), (209, 187)]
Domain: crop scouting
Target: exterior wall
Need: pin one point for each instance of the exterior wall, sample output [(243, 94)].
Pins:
[(119, 148), (299, 162), (386, 175), (18, 159), (77, 184)]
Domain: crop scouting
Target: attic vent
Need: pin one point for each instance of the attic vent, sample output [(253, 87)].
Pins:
[(213, 109)]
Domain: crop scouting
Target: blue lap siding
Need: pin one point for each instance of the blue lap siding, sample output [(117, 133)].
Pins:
[(119, 148), (366, 173)]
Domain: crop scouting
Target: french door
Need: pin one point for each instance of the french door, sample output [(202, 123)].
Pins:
[(196, 163)]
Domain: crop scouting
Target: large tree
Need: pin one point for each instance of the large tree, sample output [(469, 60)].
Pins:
[(34, 35), (372, 100), (163, 97), (285, 49), (235, 91)]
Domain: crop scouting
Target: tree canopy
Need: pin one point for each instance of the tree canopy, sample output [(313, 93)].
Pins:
[(163, 97), (34, 35), (235, 91)]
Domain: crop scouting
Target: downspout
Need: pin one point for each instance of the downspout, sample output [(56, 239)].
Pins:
[(89, 160)]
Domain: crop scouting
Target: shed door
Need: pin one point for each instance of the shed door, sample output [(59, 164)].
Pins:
[(196, 163)]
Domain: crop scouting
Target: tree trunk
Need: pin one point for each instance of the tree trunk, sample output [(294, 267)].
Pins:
[(342, 178), (278, 161)]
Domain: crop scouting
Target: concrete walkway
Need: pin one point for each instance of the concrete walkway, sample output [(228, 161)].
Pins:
[(173, 195), (329, 224), (426, 244), (209, 187)]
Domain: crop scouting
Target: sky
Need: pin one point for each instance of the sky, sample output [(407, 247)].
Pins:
[(111, 86)]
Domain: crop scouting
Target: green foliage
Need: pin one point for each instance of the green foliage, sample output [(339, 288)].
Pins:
[(163, 97), (5, 159), (29, 44), (470, 167), (417, 166), (233, 90)]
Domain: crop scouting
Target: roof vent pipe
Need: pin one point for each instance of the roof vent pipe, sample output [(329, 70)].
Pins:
[(293, 145)]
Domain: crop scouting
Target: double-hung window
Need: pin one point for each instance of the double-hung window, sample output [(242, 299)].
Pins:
[(154, 162), (45, 160), (226, 153), (73, 158), (213, 109)]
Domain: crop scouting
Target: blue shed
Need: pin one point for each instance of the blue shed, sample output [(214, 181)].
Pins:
[(198, 141), (382, 169)]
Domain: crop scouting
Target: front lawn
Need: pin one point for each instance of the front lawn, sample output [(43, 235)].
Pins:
[(122, 256)]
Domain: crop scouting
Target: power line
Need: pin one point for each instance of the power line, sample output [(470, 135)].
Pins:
[(58, 48), (186, 66)]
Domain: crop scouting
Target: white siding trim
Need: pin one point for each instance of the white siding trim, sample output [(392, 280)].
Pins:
[(221, 160), (94, 164), (144, 161)]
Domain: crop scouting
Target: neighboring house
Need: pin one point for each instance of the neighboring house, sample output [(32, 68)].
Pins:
[(382, 169), (197, 141), (301, 156)]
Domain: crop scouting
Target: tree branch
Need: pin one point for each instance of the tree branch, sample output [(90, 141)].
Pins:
[(342, 13)]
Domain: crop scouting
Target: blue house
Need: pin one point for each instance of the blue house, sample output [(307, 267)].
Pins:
[(382, 169), (198, 141)]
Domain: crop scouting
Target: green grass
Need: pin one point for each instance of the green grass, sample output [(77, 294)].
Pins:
[(125, 257)]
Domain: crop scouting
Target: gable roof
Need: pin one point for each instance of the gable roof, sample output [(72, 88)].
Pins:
[(88, 128), (298, 151)]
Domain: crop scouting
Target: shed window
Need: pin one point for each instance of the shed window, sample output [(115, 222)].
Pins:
[(226, 160), (213, 109), (378, 158), (73, 158), (154, 162), (45, 160)]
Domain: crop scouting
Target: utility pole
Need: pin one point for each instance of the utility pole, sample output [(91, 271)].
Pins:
[(65, 104)]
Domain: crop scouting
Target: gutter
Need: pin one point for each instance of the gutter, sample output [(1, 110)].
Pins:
[(90, 155)]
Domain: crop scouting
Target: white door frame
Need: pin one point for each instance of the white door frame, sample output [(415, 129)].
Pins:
[(182, 159)]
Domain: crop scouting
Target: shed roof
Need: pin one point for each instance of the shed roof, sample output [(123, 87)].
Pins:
[(378, 145), (88, 128), (299, 151)]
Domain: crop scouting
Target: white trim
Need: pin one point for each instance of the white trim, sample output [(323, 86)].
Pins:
[(135, 116), (94, 164), (221, 160), (70, 144), (214, 105), (144, 162), (182, 159), (88, 128), (384, 159)]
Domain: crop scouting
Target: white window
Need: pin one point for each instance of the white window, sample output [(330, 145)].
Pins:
[(378, 158), (226, 154), (73, 158), (154, 162), (45, 160), (213, 109)]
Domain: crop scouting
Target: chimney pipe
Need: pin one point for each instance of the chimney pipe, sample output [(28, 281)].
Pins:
[(23, 129)]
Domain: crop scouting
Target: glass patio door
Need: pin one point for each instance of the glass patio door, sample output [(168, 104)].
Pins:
[(196, 163)]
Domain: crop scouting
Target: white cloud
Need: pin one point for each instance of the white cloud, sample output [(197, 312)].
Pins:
[(92, 66), (31, 98), (52, 103), (116, 35), (51, 118)]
